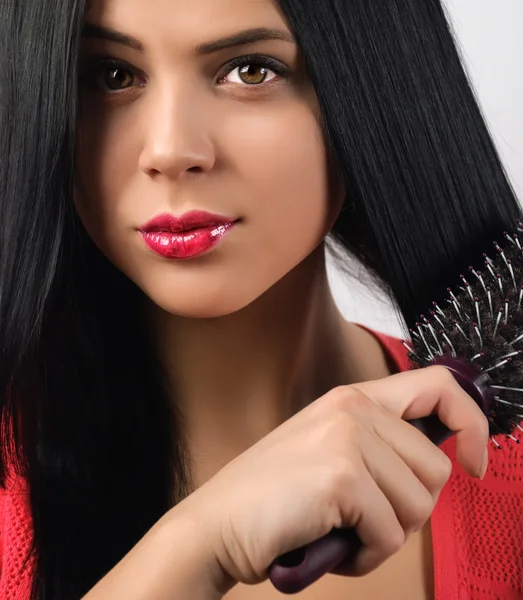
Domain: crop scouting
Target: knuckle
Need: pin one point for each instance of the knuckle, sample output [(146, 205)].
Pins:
[(442, 374), (394, 540), (342, 476), (441, 469), (328, 404), (337, 398), (438, 472), (346, 399), (337, 437), (421, 509), (341, 414)]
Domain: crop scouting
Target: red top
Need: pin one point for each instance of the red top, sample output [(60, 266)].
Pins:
[(477, 526)]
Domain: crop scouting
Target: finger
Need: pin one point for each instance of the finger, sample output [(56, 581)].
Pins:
[(369, 511), (403, 492), (419, 393), (427, 462), (411, 500)]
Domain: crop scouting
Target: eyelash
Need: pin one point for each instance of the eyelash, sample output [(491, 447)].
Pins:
[(98, 64), (258, 60)]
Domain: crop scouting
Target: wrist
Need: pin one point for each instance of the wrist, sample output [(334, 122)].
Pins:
[(175, 560), (190, 533)]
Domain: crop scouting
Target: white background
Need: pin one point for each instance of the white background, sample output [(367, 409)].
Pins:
[(490, 33)]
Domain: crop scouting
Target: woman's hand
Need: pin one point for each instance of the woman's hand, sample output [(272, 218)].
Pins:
[(347, 460)]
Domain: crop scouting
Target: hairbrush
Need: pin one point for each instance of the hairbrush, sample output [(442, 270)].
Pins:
[(477, 333)]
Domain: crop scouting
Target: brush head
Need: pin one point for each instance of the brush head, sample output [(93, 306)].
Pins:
[(477, 332)]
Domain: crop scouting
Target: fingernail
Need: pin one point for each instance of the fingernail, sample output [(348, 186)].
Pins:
[(484, 465)]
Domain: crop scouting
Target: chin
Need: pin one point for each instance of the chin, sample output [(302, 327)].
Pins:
[(199, 305)]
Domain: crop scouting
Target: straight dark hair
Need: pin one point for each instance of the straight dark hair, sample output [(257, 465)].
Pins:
[(86, 418)]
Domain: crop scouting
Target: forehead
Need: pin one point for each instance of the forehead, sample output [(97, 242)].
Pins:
[(201, 17)]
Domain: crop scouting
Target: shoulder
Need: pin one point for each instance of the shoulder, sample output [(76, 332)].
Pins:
[(16, 561), (394, 350)]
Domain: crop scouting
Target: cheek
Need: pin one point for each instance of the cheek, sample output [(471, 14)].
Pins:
[(285, 169), (106, 155)]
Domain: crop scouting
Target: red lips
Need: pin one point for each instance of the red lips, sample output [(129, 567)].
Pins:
[(186, 236)]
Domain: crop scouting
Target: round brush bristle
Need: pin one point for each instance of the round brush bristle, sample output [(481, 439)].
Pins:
[(482, 322)]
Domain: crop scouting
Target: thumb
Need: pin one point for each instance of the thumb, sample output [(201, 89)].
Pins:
[(433, 390)]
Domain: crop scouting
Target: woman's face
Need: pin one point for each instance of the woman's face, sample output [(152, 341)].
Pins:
[(199, 105)]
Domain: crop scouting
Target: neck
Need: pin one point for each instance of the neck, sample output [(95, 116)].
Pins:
[(236, 378)]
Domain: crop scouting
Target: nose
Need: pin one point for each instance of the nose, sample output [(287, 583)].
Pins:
[(177, 140)]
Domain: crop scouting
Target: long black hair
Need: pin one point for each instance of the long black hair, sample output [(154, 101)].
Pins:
[(85, 414)]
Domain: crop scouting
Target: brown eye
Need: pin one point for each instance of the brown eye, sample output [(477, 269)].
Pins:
[(254, 70), (107, 76), (253, 74), (116, 78)]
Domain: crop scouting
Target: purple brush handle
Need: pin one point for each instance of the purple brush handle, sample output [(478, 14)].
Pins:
[(296, 570)]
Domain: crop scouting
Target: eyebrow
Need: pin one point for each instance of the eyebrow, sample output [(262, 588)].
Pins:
[(242, 38)]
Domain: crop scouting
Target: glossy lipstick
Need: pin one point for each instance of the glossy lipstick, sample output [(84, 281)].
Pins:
[(186, 236)]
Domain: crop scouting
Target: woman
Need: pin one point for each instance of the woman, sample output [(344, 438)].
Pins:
[(178, 386)]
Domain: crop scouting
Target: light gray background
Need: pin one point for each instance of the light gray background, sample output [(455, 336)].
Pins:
[(490, 34)]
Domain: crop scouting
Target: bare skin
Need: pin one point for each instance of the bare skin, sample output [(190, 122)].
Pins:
[(248, 333), (240, 376)]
